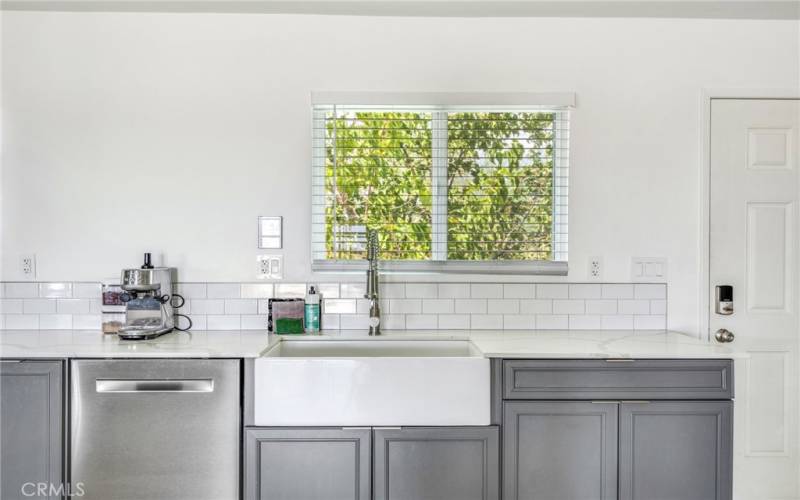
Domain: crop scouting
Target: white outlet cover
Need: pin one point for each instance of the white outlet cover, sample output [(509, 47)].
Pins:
[(27, 266), (590, 268), (269, 267)]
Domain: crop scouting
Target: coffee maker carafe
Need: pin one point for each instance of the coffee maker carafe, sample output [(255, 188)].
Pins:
[(149, 302)]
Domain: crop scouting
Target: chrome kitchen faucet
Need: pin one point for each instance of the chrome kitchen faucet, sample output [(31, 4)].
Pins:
[(373, 284)]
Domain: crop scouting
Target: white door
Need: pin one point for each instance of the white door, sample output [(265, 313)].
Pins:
[(754, 223)]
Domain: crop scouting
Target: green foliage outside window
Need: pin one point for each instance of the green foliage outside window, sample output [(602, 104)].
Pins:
[(379, 169)]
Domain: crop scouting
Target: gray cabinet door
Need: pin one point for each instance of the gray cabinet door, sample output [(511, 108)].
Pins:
[(31, 428), (560, 451), (437, 463), (676, 450), (307, 464)]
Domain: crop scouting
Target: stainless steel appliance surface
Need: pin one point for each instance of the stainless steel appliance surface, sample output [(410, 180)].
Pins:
[(166, 429)]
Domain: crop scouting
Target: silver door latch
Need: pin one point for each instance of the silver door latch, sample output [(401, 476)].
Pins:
[(724, 335)]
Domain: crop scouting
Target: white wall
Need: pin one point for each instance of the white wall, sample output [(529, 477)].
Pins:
[(172, 132)]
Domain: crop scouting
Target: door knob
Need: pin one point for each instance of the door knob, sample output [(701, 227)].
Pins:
[(724, 335)]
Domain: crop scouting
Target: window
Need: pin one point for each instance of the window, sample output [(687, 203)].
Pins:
[(447, 187)]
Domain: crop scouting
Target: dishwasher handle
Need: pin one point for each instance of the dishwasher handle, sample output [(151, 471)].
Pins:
[(154, 385)]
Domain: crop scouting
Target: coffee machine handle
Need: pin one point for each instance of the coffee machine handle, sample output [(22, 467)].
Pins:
[(147, 261)]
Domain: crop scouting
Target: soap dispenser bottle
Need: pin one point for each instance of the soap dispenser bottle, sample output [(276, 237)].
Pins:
[(312, 311)]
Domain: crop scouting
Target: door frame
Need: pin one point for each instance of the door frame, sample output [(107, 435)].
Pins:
[(707, 95)]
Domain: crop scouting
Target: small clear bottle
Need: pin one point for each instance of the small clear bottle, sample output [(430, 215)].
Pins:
[(312, 311)]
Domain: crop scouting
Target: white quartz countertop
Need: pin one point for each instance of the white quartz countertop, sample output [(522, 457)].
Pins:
[(565, 344)]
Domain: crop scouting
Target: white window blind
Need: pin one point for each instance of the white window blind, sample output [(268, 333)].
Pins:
[(448, 188)]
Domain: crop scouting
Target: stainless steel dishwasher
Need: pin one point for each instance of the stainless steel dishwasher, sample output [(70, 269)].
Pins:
[(166, 429)]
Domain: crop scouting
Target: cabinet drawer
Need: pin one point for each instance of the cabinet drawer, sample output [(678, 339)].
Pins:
[(618, 379)]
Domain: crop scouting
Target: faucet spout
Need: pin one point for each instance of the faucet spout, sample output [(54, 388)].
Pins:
[(373, 284)]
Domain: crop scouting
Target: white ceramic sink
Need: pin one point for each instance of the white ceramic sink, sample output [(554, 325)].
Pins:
[(372, 383)]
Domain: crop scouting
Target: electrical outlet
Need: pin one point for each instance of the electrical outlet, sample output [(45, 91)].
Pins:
[(269, 267), (27, 266), (595, 268)]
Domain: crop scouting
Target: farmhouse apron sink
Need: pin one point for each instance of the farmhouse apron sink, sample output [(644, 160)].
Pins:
[(372, 383)]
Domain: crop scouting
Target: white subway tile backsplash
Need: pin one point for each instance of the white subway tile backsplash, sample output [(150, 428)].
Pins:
[(616, 322), (634, 306), (519, 322), (454, 321), (502, 306), (584, 322), (438, 306), (55, 321), (22, 321), (39, 306), (552, 322), (340, 306), (585, 291), (329, 290), (413, 305), (536, 306), (2, 318), (256, 290), (55, 290), (617, 291), (329, 321), (421, 321), (11, 306), (353, 321), (75, 306), (486, 291), (208, 306), (87, 321), (353, 290), (224, 290), (393, 290), (486, 322), (393, 321), (21, 290), (453, 290), (601, 306), (86, 290), (658, 307), (405, 306), (191, 290), (552, 291), (650, 291), (223, 322), (290, 290), (471, 306), (655, 322), (422, 290), (568, 306), (253, 322), (241, 306), (519, 291)]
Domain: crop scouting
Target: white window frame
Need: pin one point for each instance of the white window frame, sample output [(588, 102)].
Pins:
[(439, 263)]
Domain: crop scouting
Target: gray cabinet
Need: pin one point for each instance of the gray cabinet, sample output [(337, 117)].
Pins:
[(675, 450), (307, 464), (436, 463), (31, 428), (560, 450)]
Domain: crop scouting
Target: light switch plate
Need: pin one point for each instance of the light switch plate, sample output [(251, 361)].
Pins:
[(270, 232), (649, 269)]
